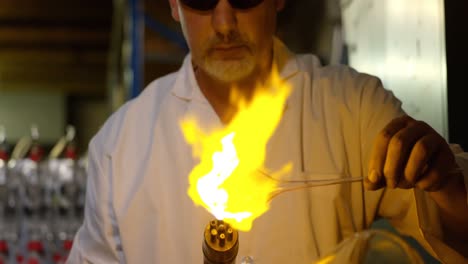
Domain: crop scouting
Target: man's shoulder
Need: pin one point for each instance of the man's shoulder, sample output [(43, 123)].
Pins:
[(334, 78), (311, 63), (159, 87), (134, 113)]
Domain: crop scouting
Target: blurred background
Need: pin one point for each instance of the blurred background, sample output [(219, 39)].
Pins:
[(75, 62), (65, 66)]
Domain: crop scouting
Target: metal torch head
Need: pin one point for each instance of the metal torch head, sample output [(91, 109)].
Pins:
[(220, 243)]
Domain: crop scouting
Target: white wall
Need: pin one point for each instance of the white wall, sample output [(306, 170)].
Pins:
[(403, 43)]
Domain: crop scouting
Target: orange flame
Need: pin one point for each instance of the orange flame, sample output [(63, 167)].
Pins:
[(227, 182)]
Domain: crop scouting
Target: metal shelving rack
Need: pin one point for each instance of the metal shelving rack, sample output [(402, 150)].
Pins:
[(127, 55)]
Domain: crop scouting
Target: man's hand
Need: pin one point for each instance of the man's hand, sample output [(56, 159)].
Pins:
[(408, 153)]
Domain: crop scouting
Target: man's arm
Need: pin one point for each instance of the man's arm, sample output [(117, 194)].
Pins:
[(97, 240), (410, 154), (451, 201)]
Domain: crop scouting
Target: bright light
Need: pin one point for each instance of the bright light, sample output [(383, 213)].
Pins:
[(227, 182)]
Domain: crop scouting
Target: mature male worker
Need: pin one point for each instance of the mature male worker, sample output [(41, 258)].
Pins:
[(336, 121)]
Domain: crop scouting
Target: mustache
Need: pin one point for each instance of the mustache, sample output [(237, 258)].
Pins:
[(232, 38)]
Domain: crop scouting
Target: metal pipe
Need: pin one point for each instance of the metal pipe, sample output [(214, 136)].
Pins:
[(220, 243)]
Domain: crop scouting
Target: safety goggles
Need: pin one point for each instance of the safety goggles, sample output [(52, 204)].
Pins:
[(206, 5)]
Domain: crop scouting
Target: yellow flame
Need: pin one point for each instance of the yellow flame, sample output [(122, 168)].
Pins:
[(326, 260), (227, 182)]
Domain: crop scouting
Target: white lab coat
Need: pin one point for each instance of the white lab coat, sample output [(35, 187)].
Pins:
[(138, 210)]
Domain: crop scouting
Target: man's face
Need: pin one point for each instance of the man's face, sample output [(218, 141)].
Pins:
[(227, 43)]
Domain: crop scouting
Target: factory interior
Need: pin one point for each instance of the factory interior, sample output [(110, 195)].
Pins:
[(66, 66)]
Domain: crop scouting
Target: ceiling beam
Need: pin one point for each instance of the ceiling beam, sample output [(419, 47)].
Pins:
[(34, 57), (55, 9), (34, 36), (82, 88)]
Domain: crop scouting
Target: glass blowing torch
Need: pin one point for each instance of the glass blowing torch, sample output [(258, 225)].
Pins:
[(220, 243)]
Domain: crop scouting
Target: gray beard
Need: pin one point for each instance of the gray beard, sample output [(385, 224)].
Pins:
[(229, 70)]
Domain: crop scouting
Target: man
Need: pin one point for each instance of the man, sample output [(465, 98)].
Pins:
[(336, 120)]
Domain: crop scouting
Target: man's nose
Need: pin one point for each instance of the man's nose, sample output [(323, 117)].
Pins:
[(224, 19)]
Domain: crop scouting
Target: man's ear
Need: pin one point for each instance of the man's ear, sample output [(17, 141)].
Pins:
[(280, 5), (175, 10)]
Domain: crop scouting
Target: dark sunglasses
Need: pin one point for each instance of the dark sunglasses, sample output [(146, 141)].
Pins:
[(206, 5)]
